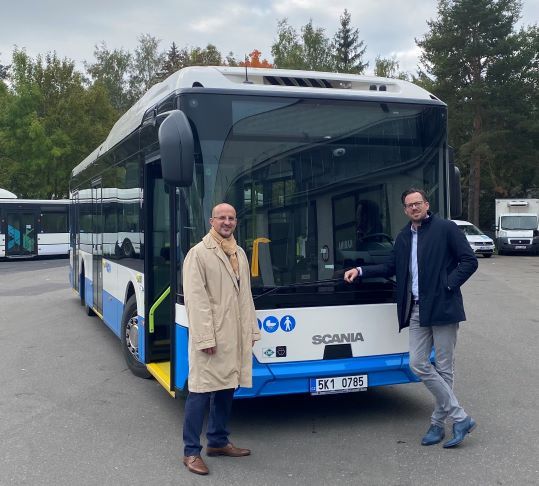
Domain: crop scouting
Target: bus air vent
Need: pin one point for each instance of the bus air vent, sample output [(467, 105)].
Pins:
[(306, 82)]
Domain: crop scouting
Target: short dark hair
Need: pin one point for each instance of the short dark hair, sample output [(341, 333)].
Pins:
[(411, 190)]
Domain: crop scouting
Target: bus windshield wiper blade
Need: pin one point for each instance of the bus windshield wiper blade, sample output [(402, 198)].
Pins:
[(316, 283)]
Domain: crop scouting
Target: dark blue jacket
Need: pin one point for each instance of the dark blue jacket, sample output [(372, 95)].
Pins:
[(445, 261)]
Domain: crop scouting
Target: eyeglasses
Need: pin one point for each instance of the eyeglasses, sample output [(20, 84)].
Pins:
[(225, 218), (417, 204)]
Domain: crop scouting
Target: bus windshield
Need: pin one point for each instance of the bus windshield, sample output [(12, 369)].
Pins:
[(316, 185)]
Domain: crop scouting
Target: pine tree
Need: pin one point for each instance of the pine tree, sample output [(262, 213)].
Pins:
[(174, 61), (468, 52), (349, 50)]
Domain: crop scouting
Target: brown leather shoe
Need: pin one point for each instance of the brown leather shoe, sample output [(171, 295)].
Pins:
[(196, 465), (229, 450)]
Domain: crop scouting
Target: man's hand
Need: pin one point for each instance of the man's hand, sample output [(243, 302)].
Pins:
[(351, 275), (212, 350)]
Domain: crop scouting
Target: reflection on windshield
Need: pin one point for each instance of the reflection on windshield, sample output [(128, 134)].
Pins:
[(316, 185), (519, 222)]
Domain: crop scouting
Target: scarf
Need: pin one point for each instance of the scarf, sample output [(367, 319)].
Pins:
[(230, 248)]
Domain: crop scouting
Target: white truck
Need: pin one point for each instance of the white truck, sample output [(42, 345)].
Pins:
[(517, 226)]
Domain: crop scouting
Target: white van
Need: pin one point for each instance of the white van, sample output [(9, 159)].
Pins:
[(481, 244)]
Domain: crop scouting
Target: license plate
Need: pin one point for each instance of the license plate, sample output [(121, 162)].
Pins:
[(338, 384), (520, 247)]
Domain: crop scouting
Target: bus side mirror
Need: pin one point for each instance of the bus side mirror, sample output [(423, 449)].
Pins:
[(177, 149), (455, 191)]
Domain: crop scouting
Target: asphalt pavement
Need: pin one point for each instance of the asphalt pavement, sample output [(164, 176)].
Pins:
[(71, 413)]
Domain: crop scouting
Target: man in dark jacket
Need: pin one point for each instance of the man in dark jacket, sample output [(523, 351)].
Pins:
[(431, 259)]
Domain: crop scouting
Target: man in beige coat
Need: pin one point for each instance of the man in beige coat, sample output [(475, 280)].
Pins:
[(222, 331)]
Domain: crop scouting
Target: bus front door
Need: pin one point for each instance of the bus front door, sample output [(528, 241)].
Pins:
[(157, 272), (21, 234)]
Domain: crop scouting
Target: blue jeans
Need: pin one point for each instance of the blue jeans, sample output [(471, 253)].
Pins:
[(196, 405)]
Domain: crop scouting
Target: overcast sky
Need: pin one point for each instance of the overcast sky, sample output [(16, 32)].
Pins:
[(72, 27)]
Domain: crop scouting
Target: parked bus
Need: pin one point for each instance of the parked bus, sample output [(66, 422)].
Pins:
[(33, 227), (314, 164)]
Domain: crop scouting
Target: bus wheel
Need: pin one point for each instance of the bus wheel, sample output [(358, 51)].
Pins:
[(131, 333), (128, 250)]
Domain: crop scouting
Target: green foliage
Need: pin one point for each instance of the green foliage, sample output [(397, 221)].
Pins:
[(4, 71), (389, 68), (486, 72), (313, 50), (287, 51), (49, 121), (146, 66), (111, 69), (349, 50), (176, 59)]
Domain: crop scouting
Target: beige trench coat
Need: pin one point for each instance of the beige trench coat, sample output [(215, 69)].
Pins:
[(221, 313)]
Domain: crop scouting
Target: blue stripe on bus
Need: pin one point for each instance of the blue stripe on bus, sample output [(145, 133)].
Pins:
[(286, 378), (88, 292), (181, 367), (141, 341), (112, 312)]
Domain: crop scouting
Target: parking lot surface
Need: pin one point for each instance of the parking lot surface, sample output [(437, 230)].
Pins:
[(71, 413)]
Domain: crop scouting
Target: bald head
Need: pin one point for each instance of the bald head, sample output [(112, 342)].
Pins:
[(223, 219), (220, 207)]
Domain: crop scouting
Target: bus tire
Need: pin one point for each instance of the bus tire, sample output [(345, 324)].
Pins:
[(130, 334), (127, 249)]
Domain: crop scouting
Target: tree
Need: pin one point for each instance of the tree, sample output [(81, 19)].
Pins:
[(48, 124), (146, 66), (287, 51), (175, 60), (111, 69), (209, 56), (4, 71), (254, 61), (230, 60), (388, 68), (311, 51), (349, 50), (468, 52)]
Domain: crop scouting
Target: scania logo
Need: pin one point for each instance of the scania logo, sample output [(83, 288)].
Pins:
[(350, 337)]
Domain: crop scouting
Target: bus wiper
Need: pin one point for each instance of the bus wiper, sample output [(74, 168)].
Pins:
[(316, 283)]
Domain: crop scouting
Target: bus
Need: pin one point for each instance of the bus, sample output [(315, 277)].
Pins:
[(34, 227), (314, 164)]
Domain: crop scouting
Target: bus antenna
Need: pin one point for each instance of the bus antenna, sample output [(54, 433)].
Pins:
[(246, 75)]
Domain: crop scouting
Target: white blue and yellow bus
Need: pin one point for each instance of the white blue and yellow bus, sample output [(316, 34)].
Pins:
[(314, 164), (33, 227)]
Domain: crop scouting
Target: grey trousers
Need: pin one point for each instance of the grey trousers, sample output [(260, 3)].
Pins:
[(438, 379)]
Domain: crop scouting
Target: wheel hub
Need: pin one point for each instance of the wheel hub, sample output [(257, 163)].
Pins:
[(131, 336)]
